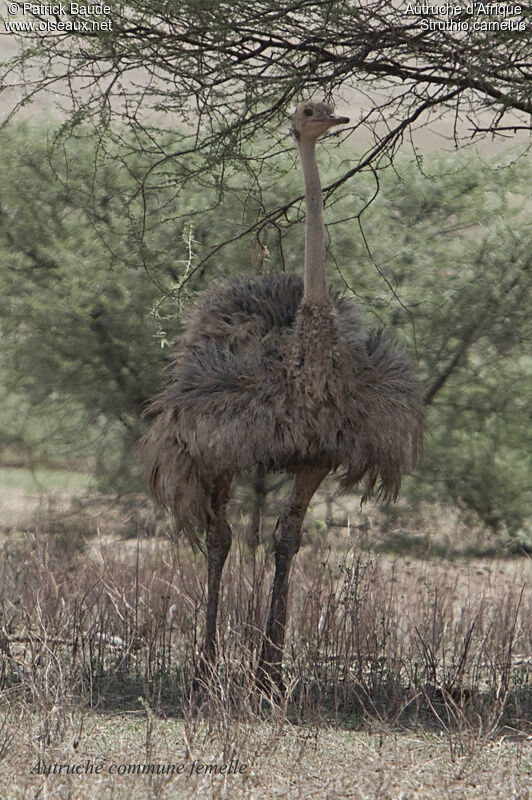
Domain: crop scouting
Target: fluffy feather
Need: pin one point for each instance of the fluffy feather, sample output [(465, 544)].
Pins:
[(259, 377)]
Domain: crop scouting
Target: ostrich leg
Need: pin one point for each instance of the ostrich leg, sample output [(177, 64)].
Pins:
[(287, 539), (218, 542)]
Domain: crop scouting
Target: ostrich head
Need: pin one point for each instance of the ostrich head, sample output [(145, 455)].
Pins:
[(311, 120)]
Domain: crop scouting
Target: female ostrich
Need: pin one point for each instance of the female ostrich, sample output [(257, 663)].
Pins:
[(283, 373)]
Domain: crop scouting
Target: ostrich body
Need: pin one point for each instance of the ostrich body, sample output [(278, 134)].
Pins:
[(283, 373)]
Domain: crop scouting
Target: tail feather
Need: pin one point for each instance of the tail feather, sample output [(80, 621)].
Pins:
[(174, 478)]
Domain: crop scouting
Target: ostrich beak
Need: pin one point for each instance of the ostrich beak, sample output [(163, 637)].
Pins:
[(332, 119)]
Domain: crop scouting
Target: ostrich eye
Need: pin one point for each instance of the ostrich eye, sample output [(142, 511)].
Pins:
[(308, 112)]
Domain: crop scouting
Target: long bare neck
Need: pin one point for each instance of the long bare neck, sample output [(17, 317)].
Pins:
[(315, 287)]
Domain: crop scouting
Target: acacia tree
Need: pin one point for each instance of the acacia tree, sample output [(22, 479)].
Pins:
[(229, 70)]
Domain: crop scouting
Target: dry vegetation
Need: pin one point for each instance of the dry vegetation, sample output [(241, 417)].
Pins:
[(407, 677), (281, 761)]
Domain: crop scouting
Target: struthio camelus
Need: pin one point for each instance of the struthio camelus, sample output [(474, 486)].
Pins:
[(283, 373)]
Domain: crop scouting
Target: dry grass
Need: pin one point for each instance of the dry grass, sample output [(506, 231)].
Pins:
[(277, 760), (407, 677)]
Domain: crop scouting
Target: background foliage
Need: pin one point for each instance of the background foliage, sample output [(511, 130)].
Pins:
[(95, 276)]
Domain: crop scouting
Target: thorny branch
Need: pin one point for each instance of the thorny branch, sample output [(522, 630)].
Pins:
[(223, 73)]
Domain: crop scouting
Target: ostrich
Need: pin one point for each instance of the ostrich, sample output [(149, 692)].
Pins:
[(282, 373)]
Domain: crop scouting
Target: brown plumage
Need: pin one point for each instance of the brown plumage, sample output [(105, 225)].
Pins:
[(250, 384), (280, 372)]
